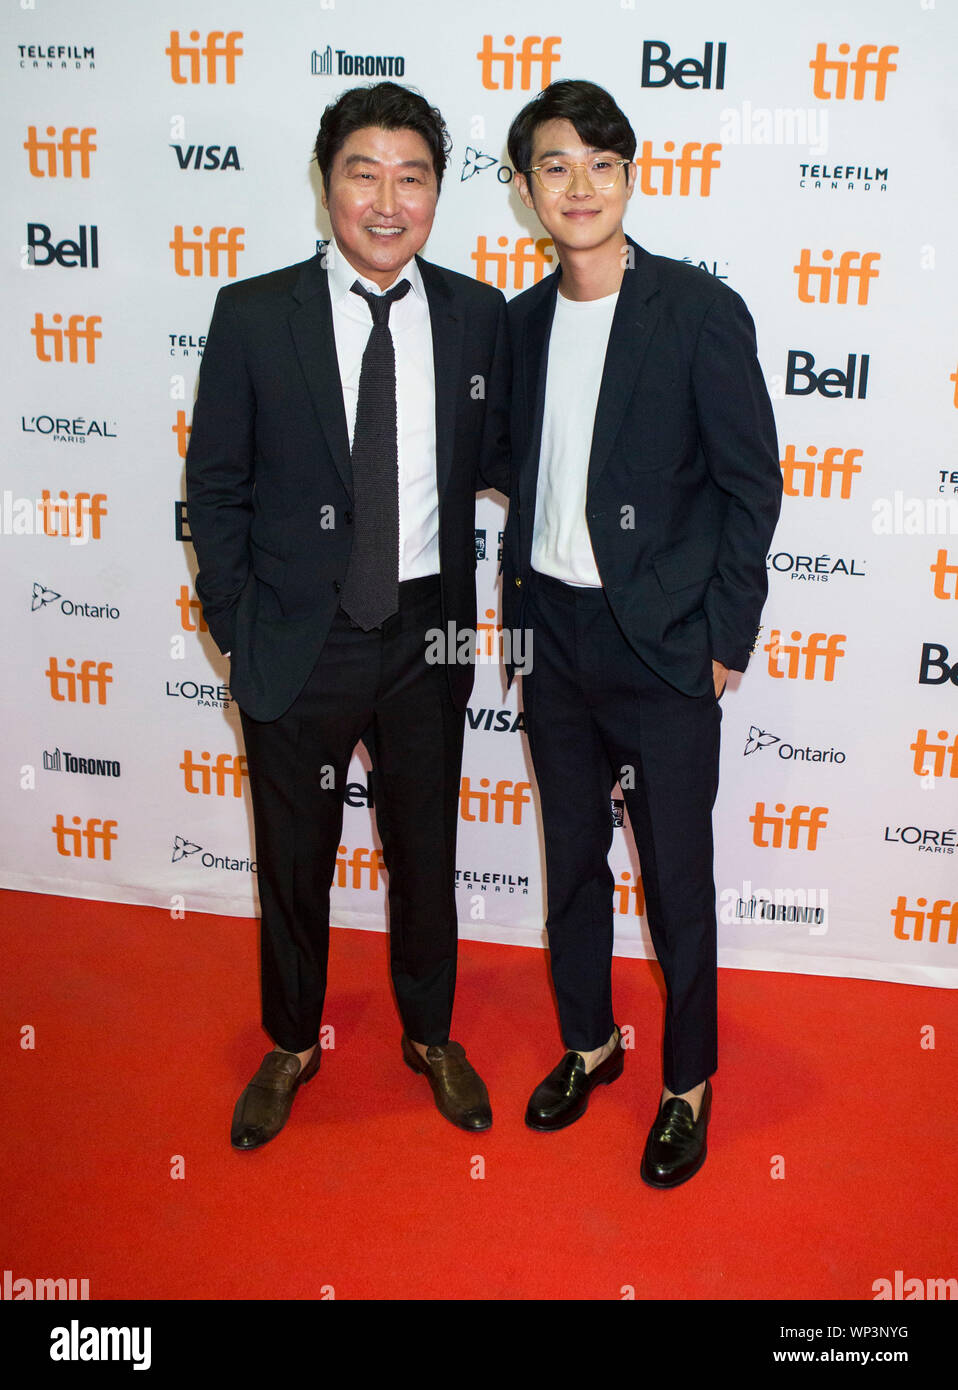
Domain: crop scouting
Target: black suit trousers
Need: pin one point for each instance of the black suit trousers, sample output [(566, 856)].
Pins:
[(377, 688), (595, 713)]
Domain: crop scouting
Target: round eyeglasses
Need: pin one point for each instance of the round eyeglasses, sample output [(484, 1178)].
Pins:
[(557, 176)]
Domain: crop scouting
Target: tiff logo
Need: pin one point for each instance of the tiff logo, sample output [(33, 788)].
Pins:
[(687, 163), (67, 517), (836, 461), (189, 606), (188, 254), (218, 46), (363, 864), (81, 841), (810, 819), (820, 645), (514, 794), (939, 751), (73, 141), (528, 251), (182, 431), (93, 676), (943, 571), (534, 51), (942, 912), (80, 328), (227, 772), (863, 64), (844, 272)]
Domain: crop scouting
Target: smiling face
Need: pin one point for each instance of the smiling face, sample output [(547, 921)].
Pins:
[(582, 218), (381, 200)]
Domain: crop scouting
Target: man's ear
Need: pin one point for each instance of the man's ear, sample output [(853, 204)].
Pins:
[(325, 200), (631, 174), (525, 193)]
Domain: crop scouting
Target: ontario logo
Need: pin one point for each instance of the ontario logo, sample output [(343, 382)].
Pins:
[(184, 848)]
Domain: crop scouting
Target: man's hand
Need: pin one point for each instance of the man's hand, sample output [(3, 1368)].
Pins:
[(719, 676)]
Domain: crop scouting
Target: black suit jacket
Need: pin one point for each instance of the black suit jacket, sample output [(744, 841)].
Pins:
[(684, 437), (269, 484)]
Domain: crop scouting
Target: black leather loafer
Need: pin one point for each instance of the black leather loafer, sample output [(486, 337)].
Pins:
[(675, 1149), (563, 1097), (264, 1106), (460, 1092)]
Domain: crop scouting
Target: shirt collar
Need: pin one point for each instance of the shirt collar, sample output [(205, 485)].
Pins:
[(342, 277)]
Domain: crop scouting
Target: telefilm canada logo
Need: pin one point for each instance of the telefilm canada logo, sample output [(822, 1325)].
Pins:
[(56, 57), (842, 177), (493, 881)]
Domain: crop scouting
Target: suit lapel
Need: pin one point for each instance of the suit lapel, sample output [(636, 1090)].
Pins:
[(447, 335), (311, 325), (534, 350), (636, 314)]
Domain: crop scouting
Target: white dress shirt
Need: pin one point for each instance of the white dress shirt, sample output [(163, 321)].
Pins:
[(561, 546), (411, 332)]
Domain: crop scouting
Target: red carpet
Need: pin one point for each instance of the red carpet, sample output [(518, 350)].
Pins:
[(146, 1032)]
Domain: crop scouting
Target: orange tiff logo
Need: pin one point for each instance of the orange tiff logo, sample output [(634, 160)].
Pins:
[(863, 65), (224, 776), (533, 52), (810, 819), (943, 571), (188, 255), (182, 431), (514, 794), (942, 912), (629, 897), (218, 46), (189, 606), (528, 251), (365, 867), (68, 515), (819, 646), (844, 273), (83, 841), (42, 154), (81, 328), (687, 163), (70, 684), (922, 747), (837, 461)]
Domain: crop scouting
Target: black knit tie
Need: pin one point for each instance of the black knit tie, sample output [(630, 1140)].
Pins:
[(371, 590)]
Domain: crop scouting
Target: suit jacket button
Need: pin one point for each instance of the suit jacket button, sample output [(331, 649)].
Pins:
[(337, 586), (518, 582)]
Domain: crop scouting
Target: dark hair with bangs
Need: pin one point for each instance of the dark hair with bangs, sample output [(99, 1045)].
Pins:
[(388, 106), (598, 121)]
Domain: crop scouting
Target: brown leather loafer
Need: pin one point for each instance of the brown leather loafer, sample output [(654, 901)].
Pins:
[(460, 1092), (264, 1106)]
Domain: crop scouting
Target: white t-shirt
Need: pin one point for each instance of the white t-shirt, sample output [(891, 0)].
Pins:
[(560, 535)]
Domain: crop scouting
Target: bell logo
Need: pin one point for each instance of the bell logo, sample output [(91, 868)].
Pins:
[(943, 571), (67, 516), (42, 154), (534, 51), (810, 819), (223, 776), (188, 255), (82, 841), (182, 431), (80, 328), (845, 272), (939, 752), (687, 73), (527, 252), (186, 57), (836, 461), (362, 862), (92, 677), (942, 912), (861, 65), (514, 794), (832, 382), (187, 607), (819, 645), (687, 163)]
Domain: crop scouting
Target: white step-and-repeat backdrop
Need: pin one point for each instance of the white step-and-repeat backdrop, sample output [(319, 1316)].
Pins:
[(803, 154)]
